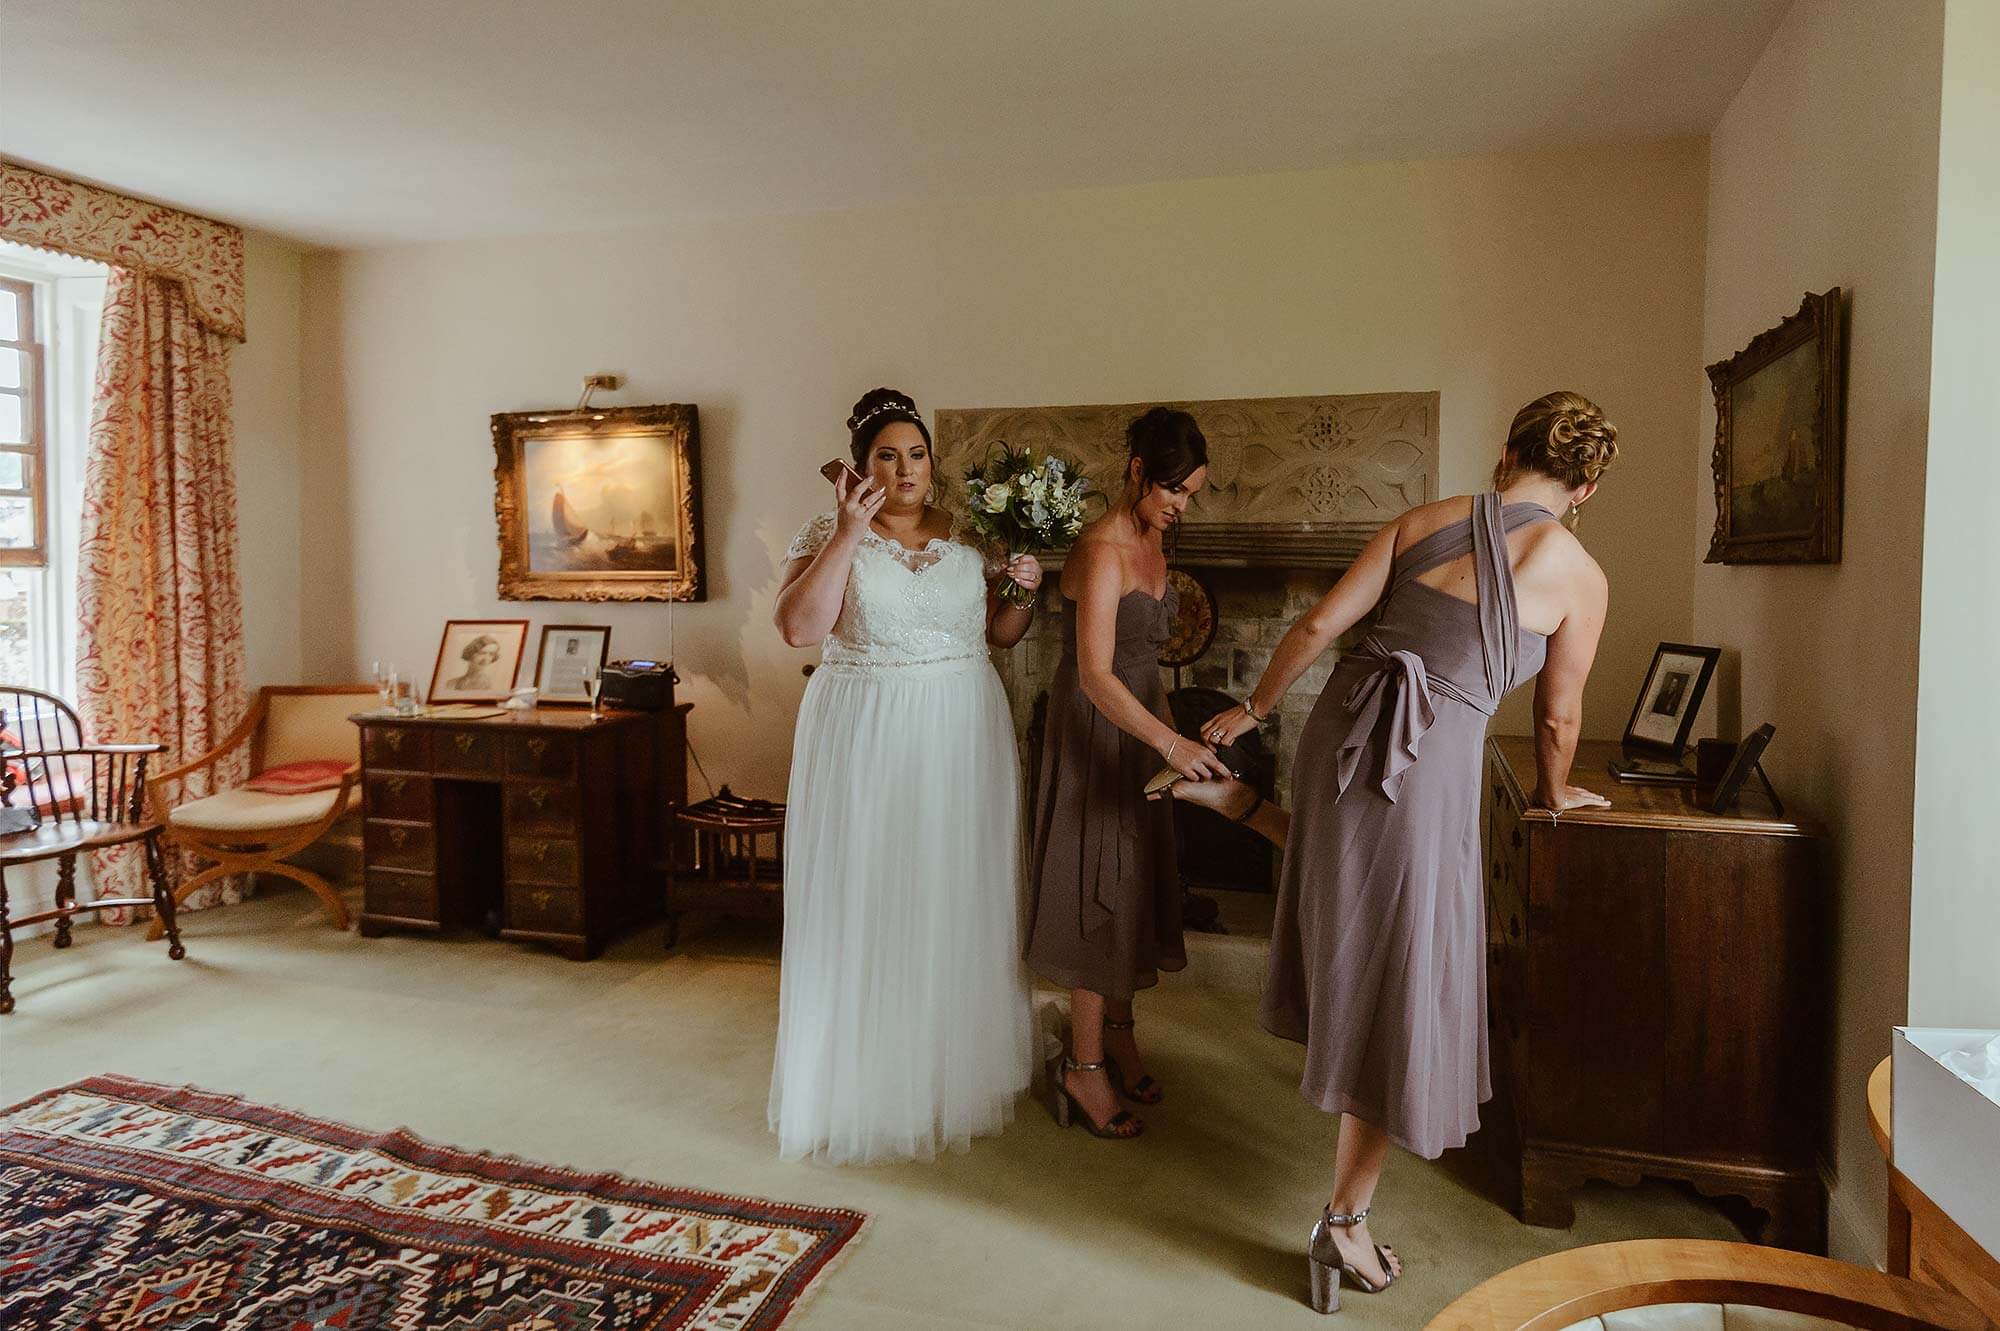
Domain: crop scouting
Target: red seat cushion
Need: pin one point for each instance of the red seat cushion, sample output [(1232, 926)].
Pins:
[(299, 778)]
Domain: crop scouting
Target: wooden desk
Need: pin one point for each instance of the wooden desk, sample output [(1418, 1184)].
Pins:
[(1925, 1244), (1658, 985), (545, 826)]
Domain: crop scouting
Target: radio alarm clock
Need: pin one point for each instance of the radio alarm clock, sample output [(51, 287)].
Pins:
[(640, 686)]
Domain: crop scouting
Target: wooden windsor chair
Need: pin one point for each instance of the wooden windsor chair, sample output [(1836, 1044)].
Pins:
[(87, 797)]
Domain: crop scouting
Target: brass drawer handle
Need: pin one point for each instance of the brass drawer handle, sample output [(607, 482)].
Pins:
[(538, 796), (538, 851), (464, 742), (394, 739), (536, 748), (399, 837), (394, 785), (542, 899)]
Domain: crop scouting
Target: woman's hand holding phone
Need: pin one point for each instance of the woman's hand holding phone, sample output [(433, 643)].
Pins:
[(858, 499)]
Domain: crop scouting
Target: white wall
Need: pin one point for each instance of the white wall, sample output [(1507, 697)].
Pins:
[(1955, 905), (1823, 173), (1492, 280), (266, 383)]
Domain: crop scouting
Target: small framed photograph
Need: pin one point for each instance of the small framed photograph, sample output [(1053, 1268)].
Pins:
[(1747, 759), (478, 660), (1669, 700), (569, 653)]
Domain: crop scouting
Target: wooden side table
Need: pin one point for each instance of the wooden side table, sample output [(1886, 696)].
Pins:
[(736, 864), (1653, 972), (1925, 1244)]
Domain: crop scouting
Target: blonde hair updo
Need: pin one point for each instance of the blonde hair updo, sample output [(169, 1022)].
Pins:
[(1562, 435)]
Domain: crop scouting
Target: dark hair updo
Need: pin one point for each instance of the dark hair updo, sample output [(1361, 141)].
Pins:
[(1169, 445), (879, 407), (1562, 435)]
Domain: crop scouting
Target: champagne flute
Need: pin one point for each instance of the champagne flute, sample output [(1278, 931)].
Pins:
[(593, 684), (385, 681)]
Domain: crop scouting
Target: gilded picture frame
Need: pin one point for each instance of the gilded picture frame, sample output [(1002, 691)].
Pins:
[(1780, 441), (602, 504)]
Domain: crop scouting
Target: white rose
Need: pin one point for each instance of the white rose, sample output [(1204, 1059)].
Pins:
[(996, 497)]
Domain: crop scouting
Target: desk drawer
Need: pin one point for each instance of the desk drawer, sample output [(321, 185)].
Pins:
[(467, 752), (541, 808), (533, 859), (399, 795), (404, 747), (399, 846), (547, 754), (546, 910), (403, 896)]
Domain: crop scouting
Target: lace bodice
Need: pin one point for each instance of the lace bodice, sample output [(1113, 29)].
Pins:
[(904, 607)]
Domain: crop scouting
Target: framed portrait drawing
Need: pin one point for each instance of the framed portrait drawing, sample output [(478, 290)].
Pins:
[(602, 504), (1669, 700), (478, 660), (1780, 437), (569, 654)]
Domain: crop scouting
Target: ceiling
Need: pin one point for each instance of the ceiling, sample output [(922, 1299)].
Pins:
[(369, 122)]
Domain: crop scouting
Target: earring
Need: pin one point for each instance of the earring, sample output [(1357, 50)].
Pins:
[(1575, 512)]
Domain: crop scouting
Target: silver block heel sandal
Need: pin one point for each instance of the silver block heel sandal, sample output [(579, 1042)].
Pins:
[(1327, 1269)]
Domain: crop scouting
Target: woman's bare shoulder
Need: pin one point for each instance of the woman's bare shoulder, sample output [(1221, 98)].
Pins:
[(1435, 516)]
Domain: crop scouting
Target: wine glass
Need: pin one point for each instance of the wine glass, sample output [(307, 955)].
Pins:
[(593, 684), (385, 682)]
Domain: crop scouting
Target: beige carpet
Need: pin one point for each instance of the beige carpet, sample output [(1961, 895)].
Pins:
[(656, 1067)]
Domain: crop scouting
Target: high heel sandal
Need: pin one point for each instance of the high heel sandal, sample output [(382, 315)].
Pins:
[(1145, 1091), (1328, 1268), (1065, 1107)]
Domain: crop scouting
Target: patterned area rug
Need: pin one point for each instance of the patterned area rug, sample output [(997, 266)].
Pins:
[(126, 1206)]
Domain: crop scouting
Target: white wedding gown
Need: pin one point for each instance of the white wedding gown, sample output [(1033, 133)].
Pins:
[(903, 1019)]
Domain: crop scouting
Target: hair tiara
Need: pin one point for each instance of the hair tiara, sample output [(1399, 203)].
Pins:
[(907, 409)]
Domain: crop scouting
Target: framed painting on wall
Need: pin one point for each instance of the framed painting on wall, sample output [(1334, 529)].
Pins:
[(599, 504), (1780, 435)]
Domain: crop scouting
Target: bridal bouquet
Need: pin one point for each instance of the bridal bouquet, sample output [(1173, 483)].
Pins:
[(1026, 505)]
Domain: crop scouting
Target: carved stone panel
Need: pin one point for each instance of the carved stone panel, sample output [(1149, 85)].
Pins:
[(1294, 482)]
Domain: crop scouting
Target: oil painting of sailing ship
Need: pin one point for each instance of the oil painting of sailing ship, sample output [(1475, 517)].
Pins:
[(598, 508), (1774, 471), (1780, 433)]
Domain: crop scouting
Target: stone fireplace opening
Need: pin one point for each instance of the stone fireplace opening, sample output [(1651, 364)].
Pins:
[(1296, 487)]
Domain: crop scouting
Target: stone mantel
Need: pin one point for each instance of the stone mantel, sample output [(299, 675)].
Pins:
[(1294, 482)]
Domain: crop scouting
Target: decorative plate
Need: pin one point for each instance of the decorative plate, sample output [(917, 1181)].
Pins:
[(1194, 620)]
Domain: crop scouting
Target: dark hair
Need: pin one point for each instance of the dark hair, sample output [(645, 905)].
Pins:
[(1562, 435), (1169, 445), (877, 408)]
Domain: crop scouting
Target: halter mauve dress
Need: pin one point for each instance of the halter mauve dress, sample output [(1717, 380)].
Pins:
[(1378, 954), (1107, 904)]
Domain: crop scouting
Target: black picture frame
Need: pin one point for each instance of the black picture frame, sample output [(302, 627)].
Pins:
[(1677, 681), (1745, 761)]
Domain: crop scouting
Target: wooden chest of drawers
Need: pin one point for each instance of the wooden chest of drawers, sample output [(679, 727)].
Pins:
[(546, 826), (1658, 981)]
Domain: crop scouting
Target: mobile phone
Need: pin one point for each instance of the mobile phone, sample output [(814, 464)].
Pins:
[(837, 468)]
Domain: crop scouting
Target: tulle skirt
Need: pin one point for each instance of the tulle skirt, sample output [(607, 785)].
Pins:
[(903, 1018)]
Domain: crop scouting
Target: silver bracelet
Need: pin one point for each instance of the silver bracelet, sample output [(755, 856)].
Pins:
[(1172, 749), (1250, 711)]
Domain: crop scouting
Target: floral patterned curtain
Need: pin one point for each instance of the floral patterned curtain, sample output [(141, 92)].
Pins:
[(160, 610), (159, 598)]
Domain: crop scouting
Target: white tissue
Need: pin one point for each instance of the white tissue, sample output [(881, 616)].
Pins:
[(1979, 1067), (522, 700)]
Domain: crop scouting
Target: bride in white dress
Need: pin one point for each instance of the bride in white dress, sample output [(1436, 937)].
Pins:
[(903, 1015)]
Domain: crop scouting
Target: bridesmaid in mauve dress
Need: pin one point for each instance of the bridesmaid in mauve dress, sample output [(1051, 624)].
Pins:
[(1107, 907), (1378, 959)]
